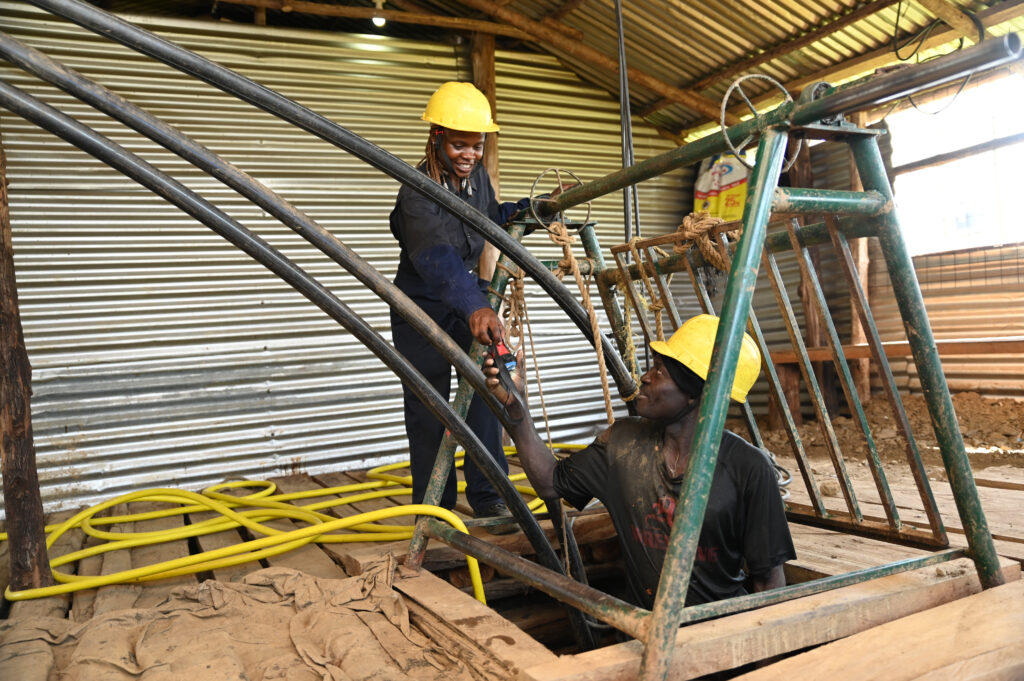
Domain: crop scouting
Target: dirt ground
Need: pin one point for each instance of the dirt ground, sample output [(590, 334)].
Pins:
[(993, 431)]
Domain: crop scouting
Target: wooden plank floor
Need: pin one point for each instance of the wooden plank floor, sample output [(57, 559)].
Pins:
[(1001, 492), (820, 552)]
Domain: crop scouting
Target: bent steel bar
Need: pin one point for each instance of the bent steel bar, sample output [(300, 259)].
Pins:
[(621, 615), (907, 290), (851, 97), (278, 105), (884, 370), (810, 280), (117, 107), (123, 161), (141, 121), (693, 497), (761, 599)]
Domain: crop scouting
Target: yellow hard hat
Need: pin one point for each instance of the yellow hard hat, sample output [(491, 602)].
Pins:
[(691, 345), (460, 106)]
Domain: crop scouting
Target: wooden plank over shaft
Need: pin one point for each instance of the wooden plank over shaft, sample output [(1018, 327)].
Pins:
[(971, 638), (730, 642)]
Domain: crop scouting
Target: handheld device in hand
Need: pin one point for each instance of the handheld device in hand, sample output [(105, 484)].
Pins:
[(506, 363)]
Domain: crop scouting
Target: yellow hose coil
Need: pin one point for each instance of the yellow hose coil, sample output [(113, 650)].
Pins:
[(257, 507)]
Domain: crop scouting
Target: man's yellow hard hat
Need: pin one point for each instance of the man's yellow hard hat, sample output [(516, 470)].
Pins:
[(460, 106), (691, 345)]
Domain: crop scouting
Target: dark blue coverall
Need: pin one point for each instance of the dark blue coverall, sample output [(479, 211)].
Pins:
[(436, 269)]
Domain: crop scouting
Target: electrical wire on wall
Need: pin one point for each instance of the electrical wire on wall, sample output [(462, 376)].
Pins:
[(918, 39), (630, 206), (630, 203)]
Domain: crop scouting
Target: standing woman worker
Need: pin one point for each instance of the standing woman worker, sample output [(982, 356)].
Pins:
[(439, 256)]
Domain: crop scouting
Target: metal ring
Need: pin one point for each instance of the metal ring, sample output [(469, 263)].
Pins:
[(725, 103), (558, 176)]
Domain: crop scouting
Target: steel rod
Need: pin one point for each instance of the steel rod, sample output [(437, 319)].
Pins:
[(810, 279), (762, 599), (631, 295), (274, 103), (597, 266), (813, 389), (177, 194), (693, 496), (706, 306), (852, 228), (910, 533), (621, 615), (907, 290), (989, 54), (664, 293), (881, 363), (796, 443), (115, 106)]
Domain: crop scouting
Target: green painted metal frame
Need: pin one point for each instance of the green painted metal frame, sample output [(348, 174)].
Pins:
[(907, 291), (835, 346), (693, 497), (869, 213), (657, 628)]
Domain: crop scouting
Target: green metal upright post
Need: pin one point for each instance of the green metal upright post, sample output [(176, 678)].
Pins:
[(693, 498), (929, 369), (588, 236)]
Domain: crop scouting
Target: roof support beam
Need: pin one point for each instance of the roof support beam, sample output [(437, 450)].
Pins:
[(565, 10), (541, 33), (954, 16), (320, 9)]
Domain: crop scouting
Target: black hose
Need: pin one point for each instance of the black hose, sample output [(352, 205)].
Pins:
[(264, 98), (117, 107), (174, 192), (143, 122)]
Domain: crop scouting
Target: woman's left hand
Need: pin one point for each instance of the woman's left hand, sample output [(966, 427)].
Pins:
[(564, 187), (485, 326)]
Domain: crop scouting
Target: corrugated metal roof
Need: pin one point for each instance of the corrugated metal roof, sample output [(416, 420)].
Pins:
[(682, 44)]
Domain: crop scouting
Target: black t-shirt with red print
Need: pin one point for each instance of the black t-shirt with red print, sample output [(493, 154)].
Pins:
[(744, 531)]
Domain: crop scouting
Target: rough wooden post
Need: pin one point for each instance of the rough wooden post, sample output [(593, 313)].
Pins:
[(482, 55), (30, 567)]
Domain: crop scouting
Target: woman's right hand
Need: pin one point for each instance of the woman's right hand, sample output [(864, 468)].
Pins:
[(485, 325)]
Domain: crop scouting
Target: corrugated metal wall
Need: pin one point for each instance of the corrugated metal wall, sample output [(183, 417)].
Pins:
[(164, 357)]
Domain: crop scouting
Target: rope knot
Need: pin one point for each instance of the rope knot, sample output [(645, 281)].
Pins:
[(697, 228)]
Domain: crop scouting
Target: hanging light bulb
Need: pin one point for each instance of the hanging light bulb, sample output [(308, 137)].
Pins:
[(379, 21)]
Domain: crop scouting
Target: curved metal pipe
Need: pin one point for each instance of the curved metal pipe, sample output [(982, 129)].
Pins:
[(264, 98), (177, 194), (115, 106)]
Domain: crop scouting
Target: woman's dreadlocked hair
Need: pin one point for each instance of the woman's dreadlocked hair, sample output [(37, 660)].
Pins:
[(435, 164)]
